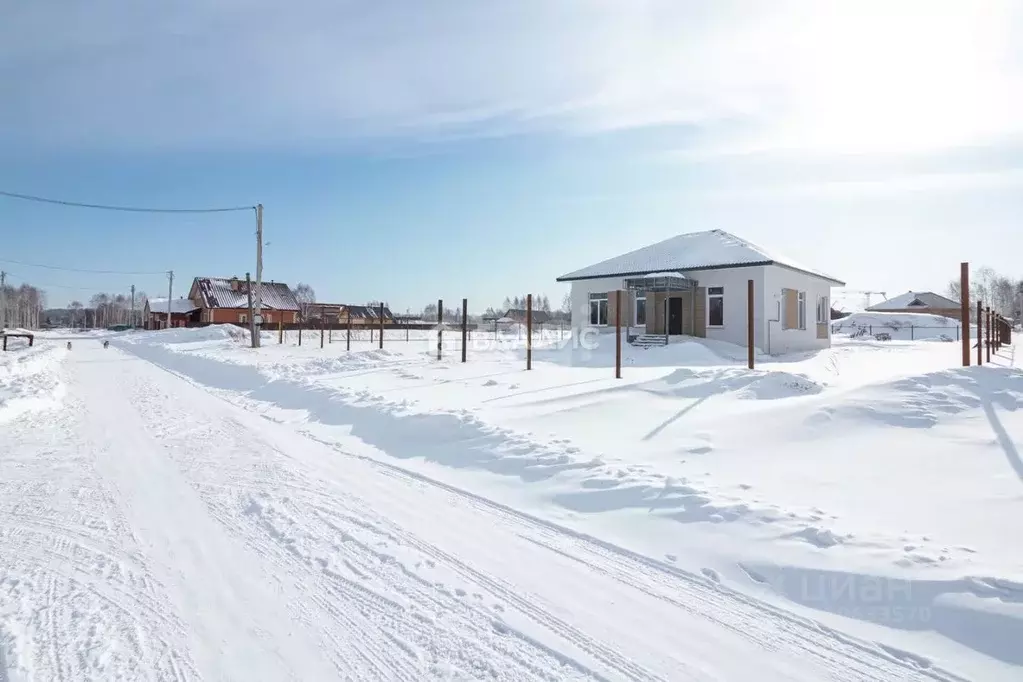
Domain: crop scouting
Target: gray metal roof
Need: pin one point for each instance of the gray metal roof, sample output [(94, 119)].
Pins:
[(217, 292), (708, 250), (915, 299)]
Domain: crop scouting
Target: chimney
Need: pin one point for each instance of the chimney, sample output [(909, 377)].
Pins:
[(234, 283)]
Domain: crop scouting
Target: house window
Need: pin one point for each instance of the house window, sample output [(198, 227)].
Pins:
[(793, 309), (716, 307), (598, 309), (243, 318), (823, 310), (641, 310)]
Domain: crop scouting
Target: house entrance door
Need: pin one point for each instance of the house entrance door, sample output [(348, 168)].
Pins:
[(674, 316)]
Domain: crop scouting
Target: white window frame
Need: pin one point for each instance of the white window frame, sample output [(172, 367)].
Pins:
[(635, 310), (598, 299), (823, 310), (710, 296), (801, 309), (243, 318)]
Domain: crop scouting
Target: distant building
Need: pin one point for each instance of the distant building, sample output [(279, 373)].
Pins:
[(226, 301), (520, 316), (919, 302), (182, 311), (337, 313), (216, 300)]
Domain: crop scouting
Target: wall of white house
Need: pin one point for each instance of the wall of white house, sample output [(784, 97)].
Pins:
[(734, 281), (581, 290), (780, 340)]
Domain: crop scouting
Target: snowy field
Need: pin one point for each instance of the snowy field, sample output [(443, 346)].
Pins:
[(182, 507)]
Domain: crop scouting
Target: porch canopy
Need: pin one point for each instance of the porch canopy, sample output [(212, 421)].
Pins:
[(661, 281)]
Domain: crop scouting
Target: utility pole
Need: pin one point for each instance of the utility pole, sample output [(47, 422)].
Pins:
[(258, 303), (3, 299), (132, 306), (252, 318), (170, 295)]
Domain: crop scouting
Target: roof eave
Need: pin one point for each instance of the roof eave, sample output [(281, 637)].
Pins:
[(638, 273), (730, 266)]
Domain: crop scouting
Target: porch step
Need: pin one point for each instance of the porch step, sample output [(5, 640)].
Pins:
[(650, 340)]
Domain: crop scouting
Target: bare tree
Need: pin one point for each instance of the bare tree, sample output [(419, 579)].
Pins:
[(23, 306), (306, 297)]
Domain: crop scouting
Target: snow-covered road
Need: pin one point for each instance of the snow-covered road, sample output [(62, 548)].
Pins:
[(152, 529)]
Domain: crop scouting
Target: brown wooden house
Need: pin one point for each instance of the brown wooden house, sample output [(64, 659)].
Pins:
[(183, 312), (337, 313), (226, 301)]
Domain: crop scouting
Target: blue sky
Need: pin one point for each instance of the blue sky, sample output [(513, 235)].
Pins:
[(412, 151)]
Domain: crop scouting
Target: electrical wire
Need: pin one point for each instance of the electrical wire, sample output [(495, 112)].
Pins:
[(92, 272), (129, 209)]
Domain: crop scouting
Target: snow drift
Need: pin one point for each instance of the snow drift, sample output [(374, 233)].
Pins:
[(29, 378)]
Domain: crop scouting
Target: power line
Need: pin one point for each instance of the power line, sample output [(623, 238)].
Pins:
[(92, 272), (47, 285), (129, 209)]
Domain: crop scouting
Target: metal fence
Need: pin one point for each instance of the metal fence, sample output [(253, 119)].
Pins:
[(911, 332)]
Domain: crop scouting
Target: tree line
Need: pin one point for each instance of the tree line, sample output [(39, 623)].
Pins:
[(1003, 293), (21, 306), (103, 310)]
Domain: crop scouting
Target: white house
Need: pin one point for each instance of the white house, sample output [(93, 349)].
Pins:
[(696, 285)]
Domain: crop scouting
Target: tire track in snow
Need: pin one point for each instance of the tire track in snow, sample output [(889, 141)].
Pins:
[(81, 604), (468, 639), (865, 660)]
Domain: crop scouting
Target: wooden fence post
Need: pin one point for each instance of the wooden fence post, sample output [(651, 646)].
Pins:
[(750, 336), (300, 331), (348, 331), (980, 333), (987, 335), (440, 329), (618, 333), (964, 310), (529, 331), (465, 325), (280, 330), (323, 323), (381, 326)]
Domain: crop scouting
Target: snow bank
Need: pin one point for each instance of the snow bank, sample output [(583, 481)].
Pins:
[(900, 326), (178, 335), (598, 350), (29, 379)]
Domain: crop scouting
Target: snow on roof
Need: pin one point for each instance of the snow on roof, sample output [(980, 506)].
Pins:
[(178, 306), (655, 275), (915, 299), (218, 293), (708, 250)]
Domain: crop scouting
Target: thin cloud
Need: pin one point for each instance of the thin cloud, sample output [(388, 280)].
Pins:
[(832, 76)]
